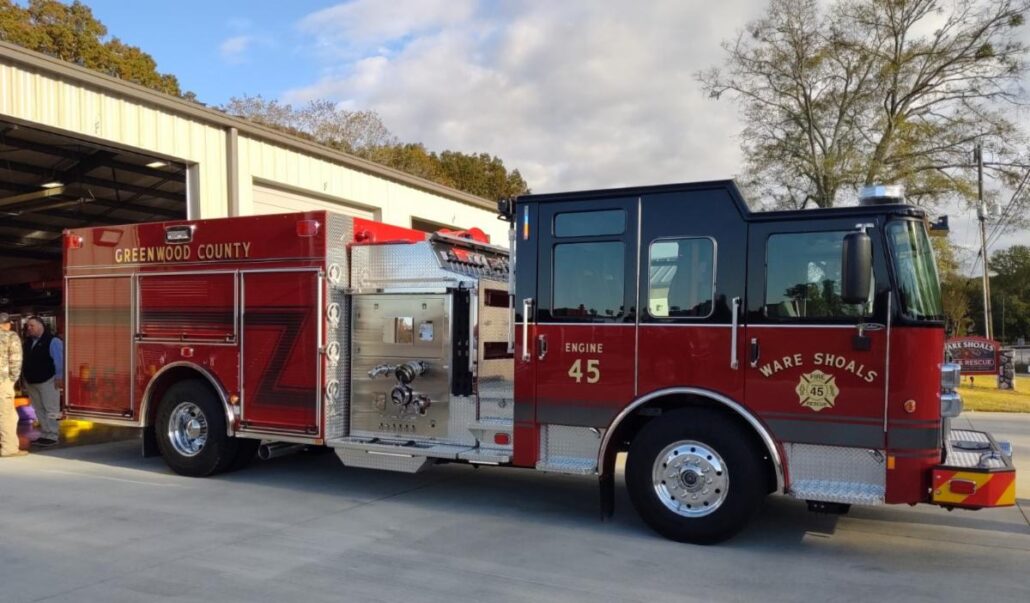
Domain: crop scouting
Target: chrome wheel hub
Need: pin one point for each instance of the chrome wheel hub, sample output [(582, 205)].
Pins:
[(187, 429), (690, 478)]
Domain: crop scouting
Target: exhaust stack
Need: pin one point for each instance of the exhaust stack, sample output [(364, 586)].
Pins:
[(277, 449)]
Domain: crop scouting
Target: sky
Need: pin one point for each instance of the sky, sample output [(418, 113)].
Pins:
[(576, 94)]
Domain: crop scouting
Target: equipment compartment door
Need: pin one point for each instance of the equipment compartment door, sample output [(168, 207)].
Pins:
[(98, 357), (816, 367), (584, 345), (281, 351)]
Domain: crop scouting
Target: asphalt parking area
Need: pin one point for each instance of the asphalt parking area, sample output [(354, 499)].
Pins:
[(99, 523)]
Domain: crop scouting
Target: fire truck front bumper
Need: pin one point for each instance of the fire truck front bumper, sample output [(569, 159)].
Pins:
[(977, 472)]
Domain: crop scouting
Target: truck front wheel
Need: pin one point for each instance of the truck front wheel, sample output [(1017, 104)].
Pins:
[(695, 476), (191, 431)]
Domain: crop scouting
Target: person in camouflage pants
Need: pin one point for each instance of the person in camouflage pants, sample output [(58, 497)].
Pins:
[(10, 369)]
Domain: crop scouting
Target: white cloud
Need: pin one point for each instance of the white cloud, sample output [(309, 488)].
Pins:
[(576, 94), (352, 26), (233, 50)]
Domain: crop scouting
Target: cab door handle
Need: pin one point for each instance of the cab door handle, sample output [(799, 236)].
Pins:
[(755, 352), (541, 346)]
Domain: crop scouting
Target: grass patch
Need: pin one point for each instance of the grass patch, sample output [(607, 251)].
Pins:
[(986, 397)]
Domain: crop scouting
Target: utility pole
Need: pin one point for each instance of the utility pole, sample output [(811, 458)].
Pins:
[(981, 212), (1003, 319)]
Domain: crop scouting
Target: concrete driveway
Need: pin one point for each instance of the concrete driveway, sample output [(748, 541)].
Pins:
[(98, 523)]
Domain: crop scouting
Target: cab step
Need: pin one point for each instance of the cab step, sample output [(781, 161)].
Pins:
[(840, 492), (828, 508)]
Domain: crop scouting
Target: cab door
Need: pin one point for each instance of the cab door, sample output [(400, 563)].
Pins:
[(583, 348), (815, 366)]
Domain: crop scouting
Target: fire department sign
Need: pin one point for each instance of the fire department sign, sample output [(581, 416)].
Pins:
[(976, 355), (817, 390)]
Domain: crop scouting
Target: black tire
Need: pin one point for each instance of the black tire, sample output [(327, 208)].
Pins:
[(696, 433), (191, 456)]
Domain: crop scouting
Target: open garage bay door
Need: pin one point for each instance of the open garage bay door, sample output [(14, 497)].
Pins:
[(49, 182), (274, 200)]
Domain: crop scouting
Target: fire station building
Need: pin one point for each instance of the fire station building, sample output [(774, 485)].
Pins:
[(79, 148)]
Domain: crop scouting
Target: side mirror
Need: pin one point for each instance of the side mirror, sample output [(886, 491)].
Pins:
[(856, 268), (506, 210)]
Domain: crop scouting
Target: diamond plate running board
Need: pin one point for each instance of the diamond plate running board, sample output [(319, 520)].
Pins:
[(852, 493), (836, 474)]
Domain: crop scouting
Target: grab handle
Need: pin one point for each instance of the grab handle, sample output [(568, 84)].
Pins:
[(527, 307), (734, 363)]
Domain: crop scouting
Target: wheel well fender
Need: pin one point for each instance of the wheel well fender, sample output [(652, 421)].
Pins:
[(633, 417), (174, 373)]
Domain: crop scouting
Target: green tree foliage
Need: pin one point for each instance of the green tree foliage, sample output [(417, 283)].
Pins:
[(363, 134), (871, 91), (1010, 293), (71, 33), (480, 174), (955, 288)]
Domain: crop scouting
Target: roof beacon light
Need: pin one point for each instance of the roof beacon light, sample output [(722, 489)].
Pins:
[(881, 194)]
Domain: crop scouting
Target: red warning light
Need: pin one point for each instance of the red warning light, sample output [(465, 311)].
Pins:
[(307, 228), (72, 241)]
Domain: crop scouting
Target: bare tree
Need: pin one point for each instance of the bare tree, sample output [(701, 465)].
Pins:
[(346, 130), (320, 120), (363, 134), (875, 91)]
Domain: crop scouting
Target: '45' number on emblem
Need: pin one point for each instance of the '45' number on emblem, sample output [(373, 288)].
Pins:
[(593, 372)]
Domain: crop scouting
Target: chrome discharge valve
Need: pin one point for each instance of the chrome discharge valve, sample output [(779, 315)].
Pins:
[(402, 394)]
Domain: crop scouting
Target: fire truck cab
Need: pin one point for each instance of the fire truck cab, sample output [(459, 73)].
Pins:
[(730, 354)]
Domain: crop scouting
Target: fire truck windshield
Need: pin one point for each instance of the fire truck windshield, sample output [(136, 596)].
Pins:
[(919, 289)]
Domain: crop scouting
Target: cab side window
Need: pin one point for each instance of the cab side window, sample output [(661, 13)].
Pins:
[(803, 278), (589, 280), (681, 278), (589, 271)]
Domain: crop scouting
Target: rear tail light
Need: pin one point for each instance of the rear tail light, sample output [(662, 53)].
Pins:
[(72, 241), (962, 486)]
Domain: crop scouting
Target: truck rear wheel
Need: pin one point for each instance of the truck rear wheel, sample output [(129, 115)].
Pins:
[(191, 431), (695, 476)]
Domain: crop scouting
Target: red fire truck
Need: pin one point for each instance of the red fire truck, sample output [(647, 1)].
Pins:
[(731, 354)]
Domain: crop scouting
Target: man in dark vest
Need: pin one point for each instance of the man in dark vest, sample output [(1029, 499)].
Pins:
[(43, 373)]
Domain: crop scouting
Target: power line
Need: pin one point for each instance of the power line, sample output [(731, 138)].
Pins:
[(1007, 214)]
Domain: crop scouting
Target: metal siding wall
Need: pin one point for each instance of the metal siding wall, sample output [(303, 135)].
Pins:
[(51, 102), (397, 202)]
